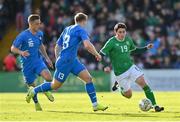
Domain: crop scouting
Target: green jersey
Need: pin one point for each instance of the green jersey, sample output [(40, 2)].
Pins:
[(119, 53)]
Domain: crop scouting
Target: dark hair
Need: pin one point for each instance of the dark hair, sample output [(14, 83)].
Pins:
[(33, 17), (80, 17), (119, 25)]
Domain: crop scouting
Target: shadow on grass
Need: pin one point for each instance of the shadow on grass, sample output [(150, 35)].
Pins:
[(105, 113)]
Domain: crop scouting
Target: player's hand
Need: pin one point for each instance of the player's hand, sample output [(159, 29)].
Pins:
[(149, 46), (24, 53), (98, 57), (107, 69), (50, 63)]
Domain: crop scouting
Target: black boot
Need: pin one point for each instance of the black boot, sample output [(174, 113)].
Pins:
[(115, 86), (158, 108)]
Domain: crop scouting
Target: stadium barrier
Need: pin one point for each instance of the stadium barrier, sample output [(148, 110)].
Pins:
[(159, 80), (14, 82)]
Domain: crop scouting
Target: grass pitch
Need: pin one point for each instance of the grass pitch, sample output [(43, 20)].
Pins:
[(77, 107)]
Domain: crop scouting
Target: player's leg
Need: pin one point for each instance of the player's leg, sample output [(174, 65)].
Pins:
[(35, 97), (90, 89), (45, 73), (125, 88), (57, 82), (80, 71), (47, 86), (30, 78), (60, 76), (122, 83), (138, 75), (148, 92)]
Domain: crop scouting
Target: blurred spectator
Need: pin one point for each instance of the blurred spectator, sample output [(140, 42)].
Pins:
[(9, 63), (20, 15), (27, 10), (16, 10), (3, 18), (148, 21), (155, 22), (156, 41)]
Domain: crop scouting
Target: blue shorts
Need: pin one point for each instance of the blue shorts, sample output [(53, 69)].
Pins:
[(30, 73), (65, 67)]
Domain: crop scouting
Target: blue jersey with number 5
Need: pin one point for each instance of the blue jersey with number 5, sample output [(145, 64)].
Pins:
[(70, 40)]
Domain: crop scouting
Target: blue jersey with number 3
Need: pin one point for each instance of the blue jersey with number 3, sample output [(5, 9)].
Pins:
[(70, 39)]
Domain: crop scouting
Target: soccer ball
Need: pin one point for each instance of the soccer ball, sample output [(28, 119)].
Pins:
[(145, 104)]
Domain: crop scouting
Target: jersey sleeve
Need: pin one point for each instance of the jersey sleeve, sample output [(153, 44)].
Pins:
[(83, 35), (41, 37), (18, 41), (106, 48), (60, 40), (132, 45)]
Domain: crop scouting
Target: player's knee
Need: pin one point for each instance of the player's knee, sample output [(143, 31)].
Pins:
[(55, 84), (54, 87), (128, 94), (32, 84), (48, 78), (88, 79)]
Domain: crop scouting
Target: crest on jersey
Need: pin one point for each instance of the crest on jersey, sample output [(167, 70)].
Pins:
[(30, 43), (117, 44), (127, 43), (40, 38)]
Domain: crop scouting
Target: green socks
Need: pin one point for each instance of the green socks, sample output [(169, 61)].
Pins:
[(149, 94)]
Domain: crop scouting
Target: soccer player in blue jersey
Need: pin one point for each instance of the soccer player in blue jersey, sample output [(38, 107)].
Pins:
[(67, 61), (29, 45)]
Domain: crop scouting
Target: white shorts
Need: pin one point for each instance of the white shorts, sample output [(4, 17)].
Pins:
[(127, 77)]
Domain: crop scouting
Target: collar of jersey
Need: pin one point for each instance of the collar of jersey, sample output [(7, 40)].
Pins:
[(119, 40), (31, 32)]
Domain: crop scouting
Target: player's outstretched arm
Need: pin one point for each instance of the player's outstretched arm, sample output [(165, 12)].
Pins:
[(89, 46), (57, 50), (139, 50), (44, 53), (106, 65), (18, 51)]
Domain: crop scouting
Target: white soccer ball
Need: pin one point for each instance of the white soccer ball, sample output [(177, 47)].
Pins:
[(145, 104)]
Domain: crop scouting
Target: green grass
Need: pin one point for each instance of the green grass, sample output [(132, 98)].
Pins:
[(77, 107)]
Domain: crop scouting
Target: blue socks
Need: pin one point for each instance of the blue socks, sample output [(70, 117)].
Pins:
[(91, 92), (35, 98), (43, 87)]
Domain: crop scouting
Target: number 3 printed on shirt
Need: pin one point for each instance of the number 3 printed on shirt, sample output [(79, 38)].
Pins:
[(66, 41)]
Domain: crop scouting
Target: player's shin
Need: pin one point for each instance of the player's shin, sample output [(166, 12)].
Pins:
[(43, 87), (48, 93), (35, 99), (149, 94), (91, 92)]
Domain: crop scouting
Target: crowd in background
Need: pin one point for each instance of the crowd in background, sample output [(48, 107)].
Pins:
[(14, 11), (148, 21)]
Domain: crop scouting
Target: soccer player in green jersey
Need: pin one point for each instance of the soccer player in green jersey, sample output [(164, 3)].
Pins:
[(119, 48)]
